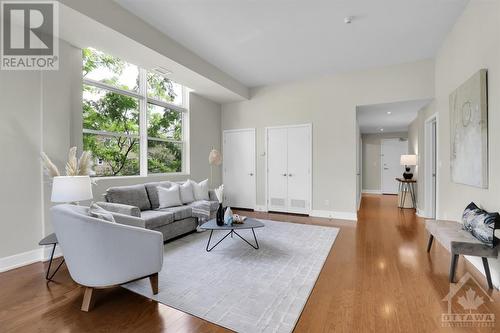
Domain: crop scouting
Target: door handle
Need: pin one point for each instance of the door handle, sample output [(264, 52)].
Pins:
[(250, 174), (386, 168), (284, 175), (289, 175)]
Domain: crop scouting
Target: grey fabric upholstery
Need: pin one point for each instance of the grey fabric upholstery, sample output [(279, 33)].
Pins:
[(133, 195), (151, 189), (155, 218), (129, 220), (214, 205), (120, 208), (143, 209), (458, 241), (100, 253), (180, 212), (178, 228)]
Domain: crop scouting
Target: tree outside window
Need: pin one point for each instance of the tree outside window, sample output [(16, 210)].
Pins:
[(112, 111)]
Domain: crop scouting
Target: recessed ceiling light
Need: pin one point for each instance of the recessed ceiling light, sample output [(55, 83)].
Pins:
[(389, 112), (381, 130)]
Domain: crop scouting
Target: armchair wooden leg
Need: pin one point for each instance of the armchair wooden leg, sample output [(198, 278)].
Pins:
[(88, 299), (153, 279), (429, 244), (487, 272)]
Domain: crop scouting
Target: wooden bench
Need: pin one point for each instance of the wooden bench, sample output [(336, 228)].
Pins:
[(458, 241)]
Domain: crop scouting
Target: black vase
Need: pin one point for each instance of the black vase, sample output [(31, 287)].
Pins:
[(220, 215)]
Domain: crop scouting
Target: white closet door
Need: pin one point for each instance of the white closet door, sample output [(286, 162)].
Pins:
[(277, 173), (299, 165), (239, 168)]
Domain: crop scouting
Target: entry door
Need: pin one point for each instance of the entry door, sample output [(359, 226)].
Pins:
[(391, 151), (239, 168), (277, 168)]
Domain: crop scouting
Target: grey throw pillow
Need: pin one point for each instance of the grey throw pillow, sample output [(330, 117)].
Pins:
[(169, 197), (481, 224), (100, 213), (187, 195)]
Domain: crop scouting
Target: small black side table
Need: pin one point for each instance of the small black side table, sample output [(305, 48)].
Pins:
[(51, 240)]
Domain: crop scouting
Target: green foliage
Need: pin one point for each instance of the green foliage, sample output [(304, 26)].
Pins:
[(160, 87), (112, 112)]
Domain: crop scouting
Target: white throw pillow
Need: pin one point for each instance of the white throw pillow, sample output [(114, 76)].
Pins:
[(200, 190), (187, 195), (169, 197), (100, 213)]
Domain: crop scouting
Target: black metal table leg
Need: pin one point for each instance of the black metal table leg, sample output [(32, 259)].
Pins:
[(412, 192), (49, 276), (255, 238), (209, 238), (208, 248)]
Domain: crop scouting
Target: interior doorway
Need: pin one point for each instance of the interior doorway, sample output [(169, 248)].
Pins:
[(430, 168)]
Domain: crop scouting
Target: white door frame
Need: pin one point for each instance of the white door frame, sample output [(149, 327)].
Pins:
[(254, 183), (428, 165), (266, 194), (382, 160)]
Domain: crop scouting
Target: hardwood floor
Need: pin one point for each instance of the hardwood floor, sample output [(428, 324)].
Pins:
[(378, 277)]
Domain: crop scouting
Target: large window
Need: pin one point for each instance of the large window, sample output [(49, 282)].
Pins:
[(132, 118)]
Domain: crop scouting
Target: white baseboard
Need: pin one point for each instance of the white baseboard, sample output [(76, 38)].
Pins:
[(334, 215), (260, 208), (421, 213), (371, 191), (27, 258)]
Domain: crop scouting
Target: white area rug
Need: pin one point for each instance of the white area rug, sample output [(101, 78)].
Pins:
[(240, 288)]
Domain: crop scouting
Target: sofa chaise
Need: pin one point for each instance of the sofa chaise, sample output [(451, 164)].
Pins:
[(142, 204)]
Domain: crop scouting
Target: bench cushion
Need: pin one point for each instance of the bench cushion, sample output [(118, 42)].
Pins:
[(458, 241)]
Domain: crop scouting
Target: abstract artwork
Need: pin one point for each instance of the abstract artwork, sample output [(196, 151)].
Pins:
[(469, 132)]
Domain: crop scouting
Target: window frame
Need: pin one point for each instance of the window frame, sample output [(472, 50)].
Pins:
[(144, 100)]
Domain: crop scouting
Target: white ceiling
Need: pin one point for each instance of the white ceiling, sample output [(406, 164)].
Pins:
[(372, 118), (260, 42)]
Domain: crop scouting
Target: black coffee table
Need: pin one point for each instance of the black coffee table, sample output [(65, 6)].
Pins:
[(248, 224)]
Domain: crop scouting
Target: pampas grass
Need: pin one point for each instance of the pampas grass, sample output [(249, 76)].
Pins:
[(74, 166), (50, 168), (85, 164)]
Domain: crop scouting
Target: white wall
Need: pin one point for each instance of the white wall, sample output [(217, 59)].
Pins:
[(329, 103), (474, 43), (372, 157)]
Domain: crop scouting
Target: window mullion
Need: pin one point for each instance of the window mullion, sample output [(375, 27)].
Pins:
[(143, 123)]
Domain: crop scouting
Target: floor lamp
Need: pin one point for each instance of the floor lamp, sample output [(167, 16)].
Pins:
[(214, 158)]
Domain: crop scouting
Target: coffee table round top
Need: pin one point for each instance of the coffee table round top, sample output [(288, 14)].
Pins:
[(248, 224)]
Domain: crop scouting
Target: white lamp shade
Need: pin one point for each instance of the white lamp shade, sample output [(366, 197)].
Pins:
[(71, 189), (408, 159), (215, 157)]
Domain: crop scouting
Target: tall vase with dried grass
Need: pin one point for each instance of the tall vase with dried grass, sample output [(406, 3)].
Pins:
[(76, 170)]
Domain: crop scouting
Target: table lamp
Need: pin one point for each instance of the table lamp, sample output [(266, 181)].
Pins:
[(407, 161), (71, 189)]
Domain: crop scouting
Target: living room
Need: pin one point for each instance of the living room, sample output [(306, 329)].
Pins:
[(202, 138)]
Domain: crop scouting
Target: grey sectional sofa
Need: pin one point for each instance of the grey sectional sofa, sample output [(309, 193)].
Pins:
[(141, 201)]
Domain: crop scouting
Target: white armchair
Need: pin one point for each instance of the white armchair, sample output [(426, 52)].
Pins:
[(101, 254)]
